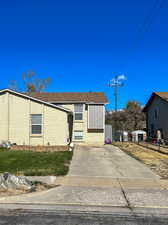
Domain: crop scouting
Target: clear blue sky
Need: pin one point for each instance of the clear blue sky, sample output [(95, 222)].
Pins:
[(80, 43)]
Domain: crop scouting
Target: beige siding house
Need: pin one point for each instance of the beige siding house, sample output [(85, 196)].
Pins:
[(52, 118), (156, 111)]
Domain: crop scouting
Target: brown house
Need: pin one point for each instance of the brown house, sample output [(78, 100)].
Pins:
[(156, 111)]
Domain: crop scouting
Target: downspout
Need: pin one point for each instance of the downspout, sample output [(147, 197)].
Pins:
[(70, 126), (29, 120), (104, 126), (43, 125), (8, 115)]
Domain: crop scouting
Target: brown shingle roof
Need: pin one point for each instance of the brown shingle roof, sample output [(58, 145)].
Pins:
[(163, 95), (88, 97)]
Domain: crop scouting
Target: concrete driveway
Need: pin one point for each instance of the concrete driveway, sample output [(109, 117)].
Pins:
[(107, 161)]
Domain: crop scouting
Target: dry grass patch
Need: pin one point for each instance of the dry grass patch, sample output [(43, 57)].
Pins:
[(158, 162)]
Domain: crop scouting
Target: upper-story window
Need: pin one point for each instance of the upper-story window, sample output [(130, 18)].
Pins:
[(78, 111), (36, 124)]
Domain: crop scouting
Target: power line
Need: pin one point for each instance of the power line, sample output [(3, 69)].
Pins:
[(148, 21), (158, 5)]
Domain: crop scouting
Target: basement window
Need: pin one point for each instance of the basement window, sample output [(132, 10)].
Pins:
[(36, 123), (78, 135)]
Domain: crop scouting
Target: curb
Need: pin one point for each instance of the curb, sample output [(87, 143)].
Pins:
[(44, 179), (84, 205)]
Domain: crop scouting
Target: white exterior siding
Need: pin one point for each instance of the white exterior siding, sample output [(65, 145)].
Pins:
[(18, 119), (4, 116), (15, 125), (82, 125)]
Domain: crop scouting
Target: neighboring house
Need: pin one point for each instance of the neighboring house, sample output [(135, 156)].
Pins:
[(52, 118), (156, 111)]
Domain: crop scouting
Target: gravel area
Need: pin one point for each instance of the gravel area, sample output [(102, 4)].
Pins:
[(158, 162)]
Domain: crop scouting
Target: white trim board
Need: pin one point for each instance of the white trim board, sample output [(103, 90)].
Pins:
[(35, 99)]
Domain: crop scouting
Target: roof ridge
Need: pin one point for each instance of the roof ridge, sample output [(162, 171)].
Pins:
[(95, 97), (85, 92)]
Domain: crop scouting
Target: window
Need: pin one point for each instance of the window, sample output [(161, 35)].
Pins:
[(78, 135), (78, 108), (36, 124)]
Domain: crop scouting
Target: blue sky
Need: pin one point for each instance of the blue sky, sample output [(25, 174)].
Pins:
[(81, 43)]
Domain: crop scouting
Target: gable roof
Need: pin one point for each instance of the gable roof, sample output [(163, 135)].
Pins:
[(35, 99), (70, 97), (163, 95)]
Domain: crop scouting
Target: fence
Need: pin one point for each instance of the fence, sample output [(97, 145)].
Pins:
[(155, 144)]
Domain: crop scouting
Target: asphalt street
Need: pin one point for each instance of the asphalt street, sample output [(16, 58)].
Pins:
[(64, 218)]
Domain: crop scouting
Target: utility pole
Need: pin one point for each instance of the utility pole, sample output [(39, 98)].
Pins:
[(116, 83)]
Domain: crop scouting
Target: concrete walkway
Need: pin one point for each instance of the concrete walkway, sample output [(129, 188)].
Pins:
[(102, 176)]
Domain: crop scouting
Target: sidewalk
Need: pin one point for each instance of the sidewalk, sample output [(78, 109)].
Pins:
[(99, 192)]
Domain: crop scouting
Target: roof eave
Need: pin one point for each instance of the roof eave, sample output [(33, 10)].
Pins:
[(148, 102), (35, 99), (154, 94)]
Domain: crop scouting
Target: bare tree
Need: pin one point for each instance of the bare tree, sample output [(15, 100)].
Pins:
[(116, 119), (129, 119), (33, 84), (13, 85), (135, 116)]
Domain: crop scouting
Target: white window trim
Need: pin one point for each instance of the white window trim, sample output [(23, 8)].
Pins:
[(80, 131), (40, 134), (76, 112)]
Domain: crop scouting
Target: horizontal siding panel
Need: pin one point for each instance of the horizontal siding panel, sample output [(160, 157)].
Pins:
[(96, 117)]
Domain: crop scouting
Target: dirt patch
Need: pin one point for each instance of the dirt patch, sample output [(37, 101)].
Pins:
[(39, 186), (39, 148), (158, 162)]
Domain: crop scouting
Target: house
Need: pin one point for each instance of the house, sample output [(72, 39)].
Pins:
[(156, 111), (52, 118)]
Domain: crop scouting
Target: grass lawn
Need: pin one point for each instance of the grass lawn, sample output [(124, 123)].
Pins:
[(34, 163), (157, 161)]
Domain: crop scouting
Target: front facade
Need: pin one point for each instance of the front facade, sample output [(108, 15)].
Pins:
[(156, 111), (88, 109), (88, 123), (34, 120)]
